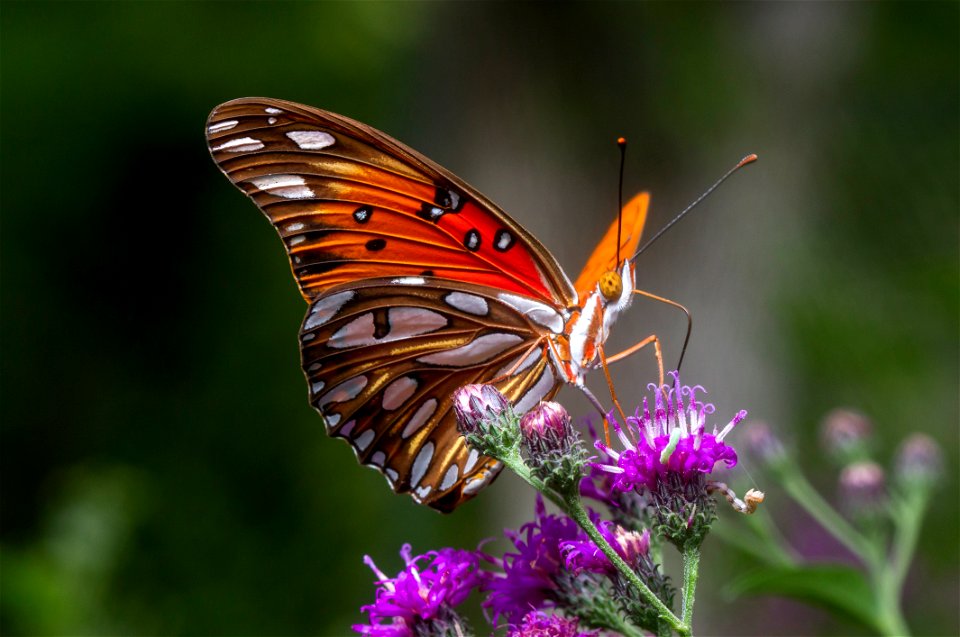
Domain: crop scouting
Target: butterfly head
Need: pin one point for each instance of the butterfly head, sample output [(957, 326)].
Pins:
[(611, 286)]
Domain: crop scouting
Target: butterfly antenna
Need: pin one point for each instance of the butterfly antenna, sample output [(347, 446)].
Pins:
[(622, 143), (749, 159)]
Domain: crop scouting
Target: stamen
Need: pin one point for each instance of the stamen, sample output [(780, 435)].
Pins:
[(733, 423), (373, 567)]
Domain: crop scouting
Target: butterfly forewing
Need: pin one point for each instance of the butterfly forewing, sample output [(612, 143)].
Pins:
[(352, 203), (418, 285), (383, 356)]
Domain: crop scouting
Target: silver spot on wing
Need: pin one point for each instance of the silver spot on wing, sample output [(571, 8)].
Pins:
[(421, 463), (311, 139), (469, 303), (325, 308), (419, 418), (479, 350)]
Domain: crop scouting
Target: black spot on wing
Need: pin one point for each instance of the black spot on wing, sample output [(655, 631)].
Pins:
[(362, 214), (471, 240), (503, 241), (375, 245)]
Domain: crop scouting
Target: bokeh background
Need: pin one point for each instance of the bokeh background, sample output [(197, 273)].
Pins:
[(162, 472)]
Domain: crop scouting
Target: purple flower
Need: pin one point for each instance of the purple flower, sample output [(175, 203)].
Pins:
[(528, 581), (426, 590), (584, 555), (538, 624), (672, 441)]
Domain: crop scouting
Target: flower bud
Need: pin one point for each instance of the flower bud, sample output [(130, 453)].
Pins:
[(477, 405), (846, 434), (764, 444), (863, 486), (919, 461), (552, 447), (547, 428)]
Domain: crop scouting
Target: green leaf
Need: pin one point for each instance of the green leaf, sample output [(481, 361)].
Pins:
[(840, 589)]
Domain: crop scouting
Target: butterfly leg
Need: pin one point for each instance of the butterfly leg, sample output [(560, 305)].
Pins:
[(630, 350), (613, 392), (653, 338)]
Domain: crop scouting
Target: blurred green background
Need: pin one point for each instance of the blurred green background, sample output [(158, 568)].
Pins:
[(162, 472)]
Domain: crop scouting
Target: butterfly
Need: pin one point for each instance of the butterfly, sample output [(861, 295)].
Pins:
[(417, 284)]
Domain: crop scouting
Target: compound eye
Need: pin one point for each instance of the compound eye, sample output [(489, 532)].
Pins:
[(611, 286)]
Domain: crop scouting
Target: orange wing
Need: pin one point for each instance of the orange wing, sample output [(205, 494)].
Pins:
[(352, 203), (604, 257)]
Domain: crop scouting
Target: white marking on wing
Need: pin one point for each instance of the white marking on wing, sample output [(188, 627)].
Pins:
[(363, 440), (419, 418), (398, 392), (311, 139), (409, 280), (423, 492), (346, 429), (378, 458), (404, 322), (534, 310), (529, 359), (421, 463), (293, 227), (478, 350), (314, 367), (316, 387), (331, 420), (326, 308), (486, 477), (347, 390), (272, 110), (286, 186), (392, 476), (240, 145), (271, 120), (471, 461), (536, 393), (450, 477), (296, 240), (469, 303), (219, 127)]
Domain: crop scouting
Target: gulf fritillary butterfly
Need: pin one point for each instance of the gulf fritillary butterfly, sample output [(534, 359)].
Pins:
[(417, 285)]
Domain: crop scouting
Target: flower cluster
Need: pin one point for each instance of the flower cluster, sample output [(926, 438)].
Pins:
[(539, 624), (568, 572), (421, 598), (530, 576), (668, 453)]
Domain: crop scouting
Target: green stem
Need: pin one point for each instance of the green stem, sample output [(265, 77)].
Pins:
[(908, 519), (888, 580), (574, 508), (806, 496), (691, 573), (886, 577)]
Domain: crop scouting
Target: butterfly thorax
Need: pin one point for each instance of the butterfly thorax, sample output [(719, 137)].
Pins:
[(576, 350)]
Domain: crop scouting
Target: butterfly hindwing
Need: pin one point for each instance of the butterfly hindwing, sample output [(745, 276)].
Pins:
[(351, 203), (383, 357)]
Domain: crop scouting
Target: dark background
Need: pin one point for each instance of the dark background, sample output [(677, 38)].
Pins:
[(162, 472)]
